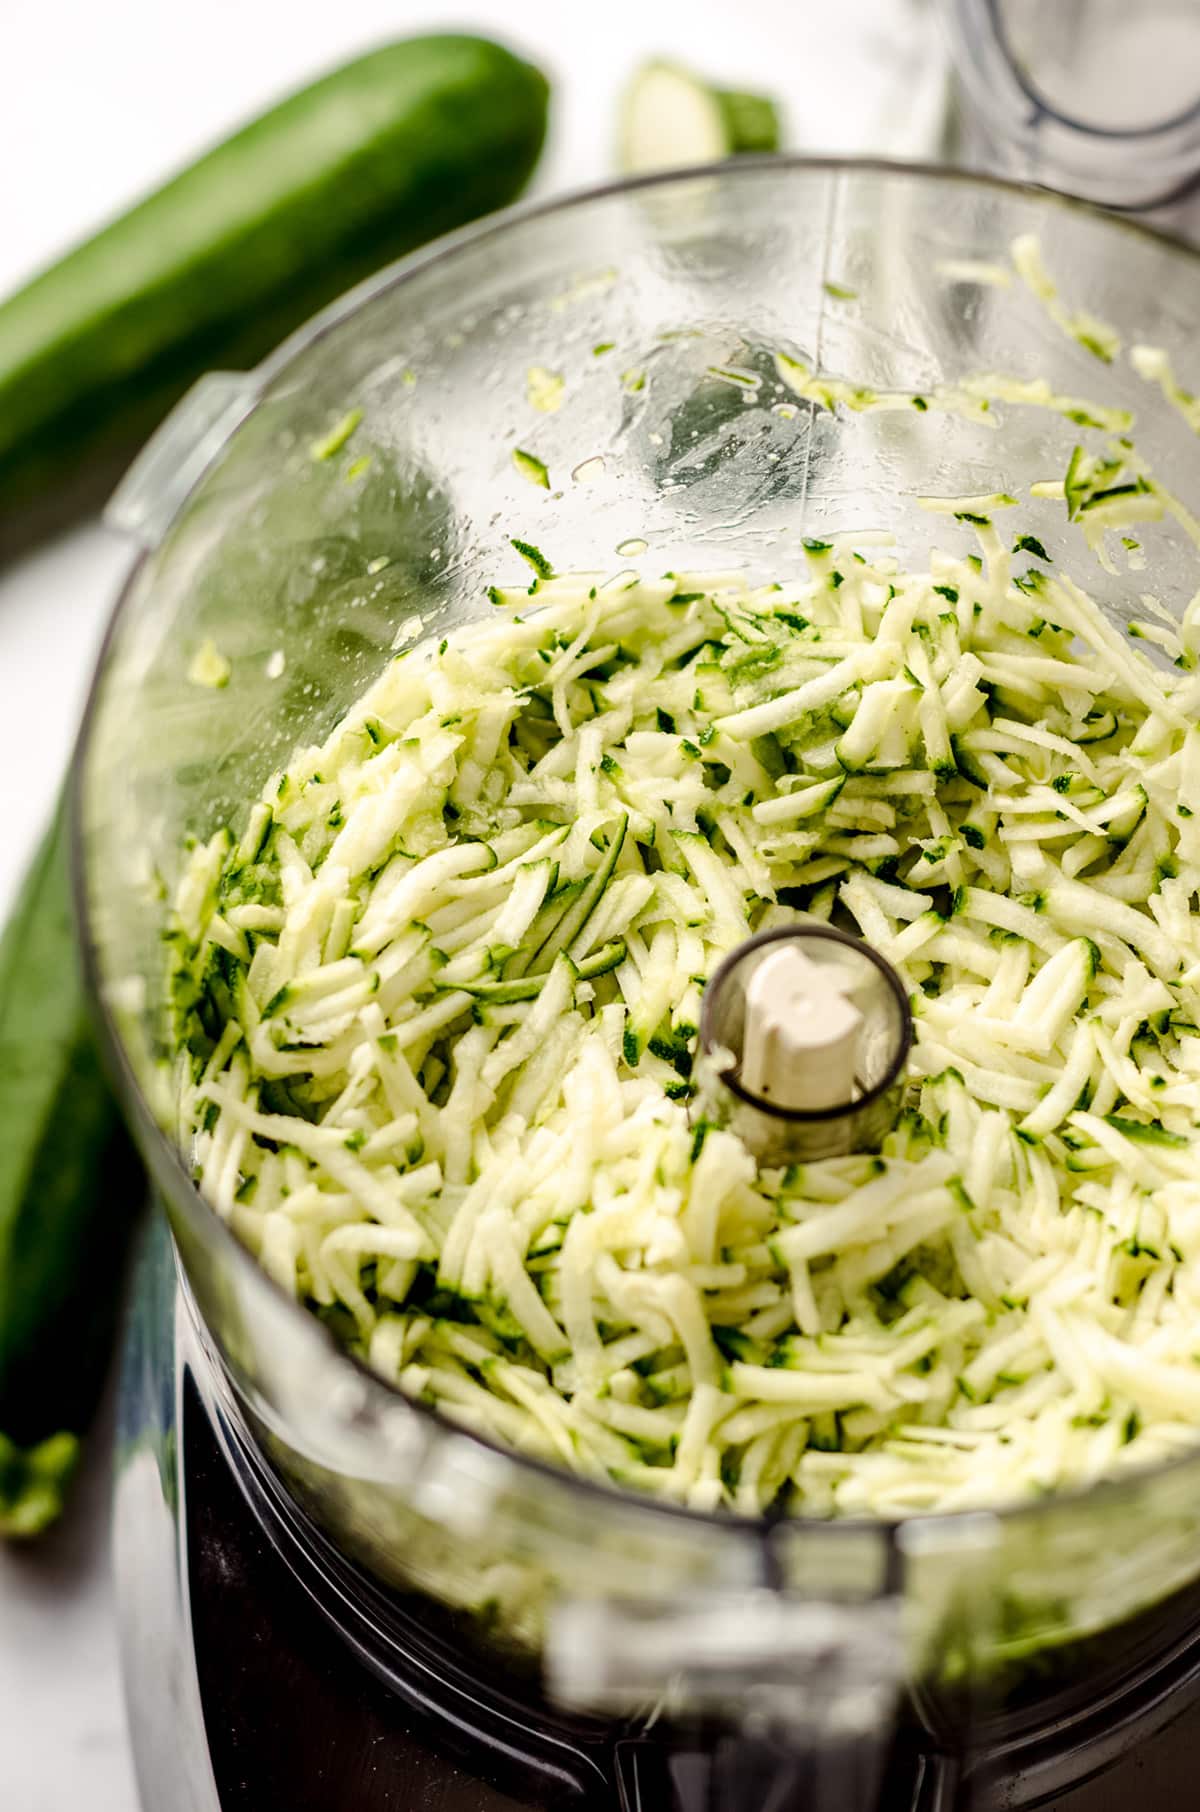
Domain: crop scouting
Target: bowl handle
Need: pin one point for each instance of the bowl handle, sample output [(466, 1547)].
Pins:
[(177, 455), (787, 1702)]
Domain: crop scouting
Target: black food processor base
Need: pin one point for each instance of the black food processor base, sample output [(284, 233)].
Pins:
[(254, 1688), (296, 1719), (293, 1719)]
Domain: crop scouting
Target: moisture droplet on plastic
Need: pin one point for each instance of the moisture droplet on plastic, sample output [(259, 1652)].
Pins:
[(589, 470), (628, 550), (408, 630), (275, 664)]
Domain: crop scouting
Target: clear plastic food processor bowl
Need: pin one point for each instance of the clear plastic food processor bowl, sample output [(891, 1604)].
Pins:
[(308, 585)]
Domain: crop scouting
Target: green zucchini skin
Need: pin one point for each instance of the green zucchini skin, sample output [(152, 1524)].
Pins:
[(214, 268), (70, 1191)]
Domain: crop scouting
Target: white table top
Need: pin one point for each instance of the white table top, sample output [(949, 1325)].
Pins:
[(97, 104)]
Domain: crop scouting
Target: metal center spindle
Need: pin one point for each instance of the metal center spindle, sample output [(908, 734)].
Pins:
[(808, 1030)]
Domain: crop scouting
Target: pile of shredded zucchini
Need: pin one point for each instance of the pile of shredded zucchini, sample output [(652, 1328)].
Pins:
[(437, 1014)]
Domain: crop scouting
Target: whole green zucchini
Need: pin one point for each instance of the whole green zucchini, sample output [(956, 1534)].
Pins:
[(215, 267), (70, 1188)]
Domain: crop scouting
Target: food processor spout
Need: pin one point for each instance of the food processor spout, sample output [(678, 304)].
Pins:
[(802, 1694)]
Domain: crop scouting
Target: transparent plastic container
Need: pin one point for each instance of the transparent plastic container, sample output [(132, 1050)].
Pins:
[(882, 274), (1097, 98)]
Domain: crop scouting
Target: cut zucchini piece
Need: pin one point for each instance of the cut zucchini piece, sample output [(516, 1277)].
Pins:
[(670, 117)]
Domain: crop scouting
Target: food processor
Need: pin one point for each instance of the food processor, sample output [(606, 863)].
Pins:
[(330, 1595)]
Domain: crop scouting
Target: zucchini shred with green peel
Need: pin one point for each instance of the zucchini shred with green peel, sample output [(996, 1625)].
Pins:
[(435, 1014)]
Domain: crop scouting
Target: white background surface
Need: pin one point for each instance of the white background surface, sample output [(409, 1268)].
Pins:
[(98, 102)]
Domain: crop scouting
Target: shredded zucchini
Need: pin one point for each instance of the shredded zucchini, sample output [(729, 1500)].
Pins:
[(435, 1014)]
